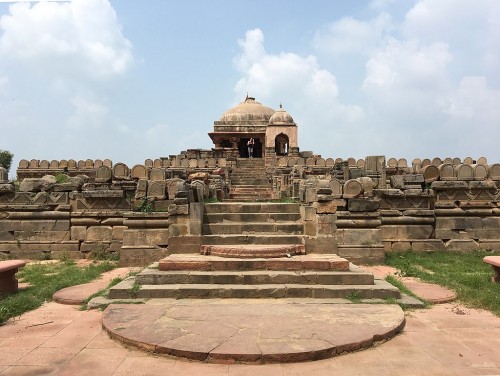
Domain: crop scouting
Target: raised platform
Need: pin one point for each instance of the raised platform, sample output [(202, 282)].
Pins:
[(302, 262), (254, 251), (252, 331)]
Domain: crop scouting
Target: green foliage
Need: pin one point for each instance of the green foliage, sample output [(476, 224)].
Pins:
[(210, 200), (134, 290), (6, 159), (61, 178), (463, 272), (102, 253), (397, 283), (146, 206), (44, 280), (354, 297)]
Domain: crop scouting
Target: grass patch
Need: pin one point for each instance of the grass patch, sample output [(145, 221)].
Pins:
[(45, 280), (463, 272), (401, 287)]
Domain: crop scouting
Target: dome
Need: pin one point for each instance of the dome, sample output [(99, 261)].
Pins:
[(281, 117), (247, 111)]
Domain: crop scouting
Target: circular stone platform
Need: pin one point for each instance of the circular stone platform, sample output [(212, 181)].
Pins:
[(252, 330)]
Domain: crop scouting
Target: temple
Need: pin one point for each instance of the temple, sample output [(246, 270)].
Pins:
[(274, 132)]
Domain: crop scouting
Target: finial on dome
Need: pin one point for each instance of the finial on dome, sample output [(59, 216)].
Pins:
[(281, 106), (246, 98)]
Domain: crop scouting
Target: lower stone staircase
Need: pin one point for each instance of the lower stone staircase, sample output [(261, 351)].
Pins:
[(253, 250), (249, 181), (303, 276)]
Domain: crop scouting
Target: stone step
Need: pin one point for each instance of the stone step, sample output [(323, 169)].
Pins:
[(379, 290), (250, 188), (250, 198), (227, 239), (271, 207), (251, 217), (253, 251), (253, 277), (253, 228), (215, 263)]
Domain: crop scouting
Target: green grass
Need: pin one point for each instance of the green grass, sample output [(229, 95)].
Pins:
[(45, 280), (463, 272)]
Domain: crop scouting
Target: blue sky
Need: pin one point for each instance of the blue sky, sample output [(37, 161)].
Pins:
[(130, 80)]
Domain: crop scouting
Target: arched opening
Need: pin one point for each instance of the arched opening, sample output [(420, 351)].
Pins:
[(281, 144), (243, 149)]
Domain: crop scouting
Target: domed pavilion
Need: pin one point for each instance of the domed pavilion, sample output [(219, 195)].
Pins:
[(274, 132)]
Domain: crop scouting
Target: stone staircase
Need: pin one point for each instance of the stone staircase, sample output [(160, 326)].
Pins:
[(249, 182), (243, 223), (303, 276), (253, 250)]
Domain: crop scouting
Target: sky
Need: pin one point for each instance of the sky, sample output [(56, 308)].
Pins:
[(130, 80)]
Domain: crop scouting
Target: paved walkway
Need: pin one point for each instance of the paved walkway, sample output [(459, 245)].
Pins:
[(57, 339)]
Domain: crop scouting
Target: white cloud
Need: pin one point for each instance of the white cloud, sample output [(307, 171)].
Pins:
[(307, 90), (88, 114), (349, 35), (82, 37)]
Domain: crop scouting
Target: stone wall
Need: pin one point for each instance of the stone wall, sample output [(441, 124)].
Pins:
[(359, 209)]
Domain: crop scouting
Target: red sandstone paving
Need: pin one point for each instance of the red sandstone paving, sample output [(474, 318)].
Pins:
[(447, 339)]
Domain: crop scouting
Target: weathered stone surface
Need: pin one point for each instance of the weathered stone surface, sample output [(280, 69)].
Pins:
[(461, 245), (156, 189), (104, 174), (4, 176), (157, 174), (464, 172), (328, 207), (152, 237), (78, 233), (103, 194), (406, 232), (99, 233), (36, 185), (139, 172), (6, 188), (352, 188), (121, 171), (430, 173), (442, 185), (362, 205)]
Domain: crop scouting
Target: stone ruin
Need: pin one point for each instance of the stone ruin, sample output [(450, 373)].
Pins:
[(358, 209)]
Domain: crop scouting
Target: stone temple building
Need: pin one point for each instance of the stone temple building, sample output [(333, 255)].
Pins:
[(274, 132)]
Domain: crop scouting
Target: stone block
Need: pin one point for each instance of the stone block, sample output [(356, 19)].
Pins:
[(311, 195), (490, 245), (397, 181), (325, 244), (358, 236), (362, 205), (99, 233), (52, 236), (78, 232), (461, 245), (108, 193), (146, 237), (400, 246), (141, 257), (308, 213), (458, 223), (428, 245), (405, 232), (326, 207), (178, 230), (117, 232), (104, 174), (352, 188), (447, 234), (310, 228)]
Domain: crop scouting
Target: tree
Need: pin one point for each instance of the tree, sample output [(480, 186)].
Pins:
[(6, 159)]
